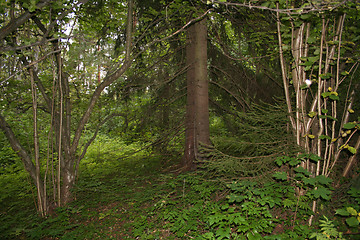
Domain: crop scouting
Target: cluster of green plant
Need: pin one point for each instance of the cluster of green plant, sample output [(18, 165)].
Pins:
[(128, 202), (121, 194), (328, 231), (351, 210), (313, 187)]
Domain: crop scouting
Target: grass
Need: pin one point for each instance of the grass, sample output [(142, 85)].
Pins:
[(132, 198)]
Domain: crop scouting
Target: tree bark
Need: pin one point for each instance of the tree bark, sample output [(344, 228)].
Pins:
[(201, 85), (197, 106), (189, 153)]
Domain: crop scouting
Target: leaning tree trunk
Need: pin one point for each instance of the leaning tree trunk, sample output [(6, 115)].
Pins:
[(197, 107)]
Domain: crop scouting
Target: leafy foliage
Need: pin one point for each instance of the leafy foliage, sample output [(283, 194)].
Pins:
[(328, 231), (314, 187)]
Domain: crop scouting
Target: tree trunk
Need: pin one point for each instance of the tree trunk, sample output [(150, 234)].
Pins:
[(68, 181), (201, 85), (197, 107)]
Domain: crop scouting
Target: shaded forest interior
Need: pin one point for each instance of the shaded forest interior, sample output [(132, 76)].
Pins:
[(179, 119)]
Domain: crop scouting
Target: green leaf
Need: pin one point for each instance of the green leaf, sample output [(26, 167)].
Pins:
[(334, 97), (324, 111), (322, 192), (236, 198), (324, 137), (332, 118), (280, 160), (309, 181), (349, 125), (208, 235), (325, 75), (305, 16), (323, 179), (313, 59), (352, 211), (317, 51), (253, 236), (312, 114), (325, 94), (314, 157), (342, 212), (312, 39), (265, 4), (238, 219), (352, 150), (302, 170), (294, 161), (280, 175), (352, 222), (223, 232)]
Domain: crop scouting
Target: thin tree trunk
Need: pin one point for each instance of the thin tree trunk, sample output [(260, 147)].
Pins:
[(41, 192)]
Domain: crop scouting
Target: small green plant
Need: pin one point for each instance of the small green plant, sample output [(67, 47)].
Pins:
[(250, 211), (328, 231), (313, 188), (352, 212)]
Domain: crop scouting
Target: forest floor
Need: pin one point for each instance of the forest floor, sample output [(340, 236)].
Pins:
[(133, 199)]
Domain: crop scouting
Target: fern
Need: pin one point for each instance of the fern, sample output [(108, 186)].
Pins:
[(328, 231)]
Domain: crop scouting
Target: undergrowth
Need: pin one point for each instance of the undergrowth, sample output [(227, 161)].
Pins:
[(119, 197)]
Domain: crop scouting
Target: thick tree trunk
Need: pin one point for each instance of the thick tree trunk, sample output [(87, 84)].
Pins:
[(189, 153), (197, 107), (201, 85), (68, 181)]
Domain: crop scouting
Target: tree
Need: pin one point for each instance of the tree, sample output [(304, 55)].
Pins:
[(320, 63), (197, 106), (60, 51), (58, 103)]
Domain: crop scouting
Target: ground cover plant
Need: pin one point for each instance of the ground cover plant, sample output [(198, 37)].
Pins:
[(129, 198)]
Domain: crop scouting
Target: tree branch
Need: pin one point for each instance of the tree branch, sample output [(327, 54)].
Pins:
[(13, 25), (18, 148)]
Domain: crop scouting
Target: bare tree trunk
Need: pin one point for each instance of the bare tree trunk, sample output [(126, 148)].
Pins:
[(201, 85), (189, 153), (197, 107)]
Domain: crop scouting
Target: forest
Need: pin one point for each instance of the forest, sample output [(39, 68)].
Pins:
[(179, 119)]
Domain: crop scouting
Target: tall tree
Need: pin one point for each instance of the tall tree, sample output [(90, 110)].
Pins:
[(197, 106)]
